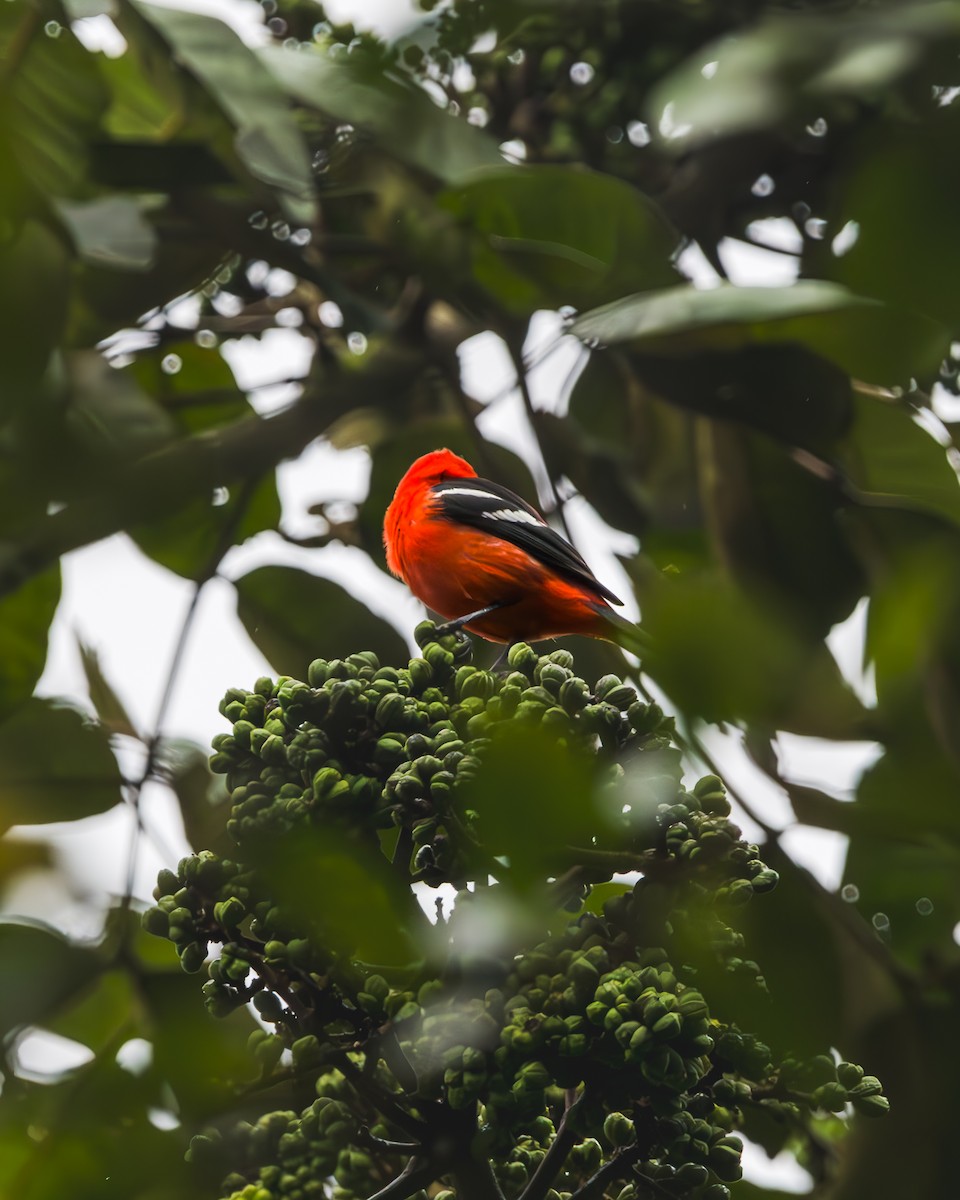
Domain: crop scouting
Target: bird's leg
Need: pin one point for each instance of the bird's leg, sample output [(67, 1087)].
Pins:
[(501, 661), (456, 625)]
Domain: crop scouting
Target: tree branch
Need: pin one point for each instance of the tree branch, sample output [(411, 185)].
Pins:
[(163, 481), (551, 1164)]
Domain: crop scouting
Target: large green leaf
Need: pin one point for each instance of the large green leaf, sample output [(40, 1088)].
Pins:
[(864, 338), (193, 540), (894, 190), (793, 66), (295, 617), (39, 970), (896, 463), (723, 656), (35, 264), (268, 139), (25, 617), (776, 528), (403, 119), (56, 766), (549, 235), (52, 104), (201, 393)]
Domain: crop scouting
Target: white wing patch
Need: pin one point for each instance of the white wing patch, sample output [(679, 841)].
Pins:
[(513, 514)]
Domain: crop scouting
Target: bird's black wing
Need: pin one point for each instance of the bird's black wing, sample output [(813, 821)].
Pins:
[(496, 510)]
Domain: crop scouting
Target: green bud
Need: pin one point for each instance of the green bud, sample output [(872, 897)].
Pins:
[(849, 1074), (268, 1006), (192, 956), (871, 1106), (830, 1096), (618, 1130), (156, 921)]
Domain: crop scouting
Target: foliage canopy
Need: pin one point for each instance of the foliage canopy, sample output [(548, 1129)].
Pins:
[(783, 454)]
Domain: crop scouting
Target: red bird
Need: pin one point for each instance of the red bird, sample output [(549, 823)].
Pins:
[(477, 554)]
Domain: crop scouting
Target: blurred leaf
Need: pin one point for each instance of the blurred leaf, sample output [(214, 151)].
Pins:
[(862, 337), (201, 1057), (268, 139), (110, 231), (294, 617), (108, 1009), (109, 708), (535, 797), (17, 855), (553, 235), (339, 889), (35, 265), (894, 189), (402, 118), (774, 525), (111, 417), (193, 540), (25, 619), (790, 67), (911, 893), (202, 796), (194, 385), (93, 1139), (53, 101), (39, 971), (57, 766), (892, 459), (138, 109), (724, 657)]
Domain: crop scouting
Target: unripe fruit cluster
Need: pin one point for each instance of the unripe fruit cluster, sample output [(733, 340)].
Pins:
[(595, 1015)]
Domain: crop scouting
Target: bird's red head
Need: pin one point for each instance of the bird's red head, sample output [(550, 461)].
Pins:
[(423, 474), (437, 465)]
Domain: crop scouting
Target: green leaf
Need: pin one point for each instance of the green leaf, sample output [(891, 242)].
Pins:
[(895, 188), (53, 102), (110, 232), (342, 893), (25, 618), (861, 336), (723, 656), (294, 617), (791, 67), (108, 1008), (774, 525), (268, 139), (199, 1056), (402, 118), (897, 463), (193, 540), (42, 971), (108, 705), (35, 265), (535, 798), (202, 796), (57, 766), (111, 417), (200, 394), (553, 235)]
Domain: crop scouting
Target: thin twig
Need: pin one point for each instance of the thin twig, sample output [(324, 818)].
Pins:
[(413, 1178), (521, 370), (552, 1162)]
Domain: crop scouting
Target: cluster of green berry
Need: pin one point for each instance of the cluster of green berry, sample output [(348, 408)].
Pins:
[(593, 1050)]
